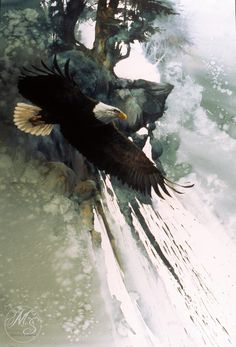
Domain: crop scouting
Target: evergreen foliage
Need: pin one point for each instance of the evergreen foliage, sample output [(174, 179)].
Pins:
[(118, 25)]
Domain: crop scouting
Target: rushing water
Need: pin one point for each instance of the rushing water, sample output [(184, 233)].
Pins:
[(201, 121), (150, 276), (196, 233)]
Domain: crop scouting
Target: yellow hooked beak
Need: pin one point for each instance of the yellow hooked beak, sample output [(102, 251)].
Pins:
[(122, 115)]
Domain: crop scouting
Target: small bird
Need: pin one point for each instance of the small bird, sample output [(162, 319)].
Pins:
[(87, 124)]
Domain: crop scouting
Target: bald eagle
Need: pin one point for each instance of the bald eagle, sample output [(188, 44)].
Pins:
[(87, 124)]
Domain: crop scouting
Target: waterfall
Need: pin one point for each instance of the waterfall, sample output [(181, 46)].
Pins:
[(114, 270), (163, 276), (188, 241)]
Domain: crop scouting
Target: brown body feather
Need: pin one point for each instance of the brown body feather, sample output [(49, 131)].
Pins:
[(104, 145)]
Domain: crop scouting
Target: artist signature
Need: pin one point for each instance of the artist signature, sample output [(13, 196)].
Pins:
[(22, 324)]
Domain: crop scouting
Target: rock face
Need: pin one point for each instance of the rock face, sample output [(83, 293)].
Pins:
[(53, 192), (139, 140), (13, 4), (143, 101)]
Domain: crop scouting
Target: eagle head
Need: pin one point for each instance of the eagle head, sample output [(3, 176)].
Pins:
[(106, 113)]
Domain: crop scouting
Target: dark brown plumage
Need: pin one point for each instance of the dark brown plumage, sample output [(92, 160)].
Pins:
[(62, 102)]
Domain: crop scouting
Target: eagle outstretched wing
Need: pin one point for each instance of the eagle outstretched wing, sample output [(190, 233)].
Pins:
[(52, 89), (58, 99), (114, 153)]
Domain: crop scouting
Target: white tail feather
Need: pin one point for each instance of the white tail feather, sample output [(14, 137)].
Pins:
[(22, 115)]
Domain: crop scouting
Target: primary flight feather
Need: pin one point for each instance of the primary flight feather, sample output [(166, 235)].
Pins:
[(87, 124)]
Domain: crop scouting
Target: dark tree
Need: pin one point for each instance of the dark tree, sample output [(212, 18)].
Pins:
[(118, 24)]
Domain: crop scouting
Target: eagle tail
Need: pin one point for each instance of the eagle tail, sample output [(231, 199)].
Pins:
[(27, 118)]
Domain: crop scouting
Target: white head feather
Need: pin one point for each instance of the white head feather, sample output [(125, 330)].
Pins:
[(106, 113)]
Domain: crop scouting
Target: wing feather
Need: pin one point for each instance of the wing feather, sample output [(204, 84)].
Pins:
[(67, 70), (50, 89), (117, 155), (56, 67), (105, 146), (47, 67)]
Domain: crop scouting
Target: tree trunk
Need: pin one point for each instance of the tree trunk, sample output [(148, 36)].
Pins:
[(107, 27)]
